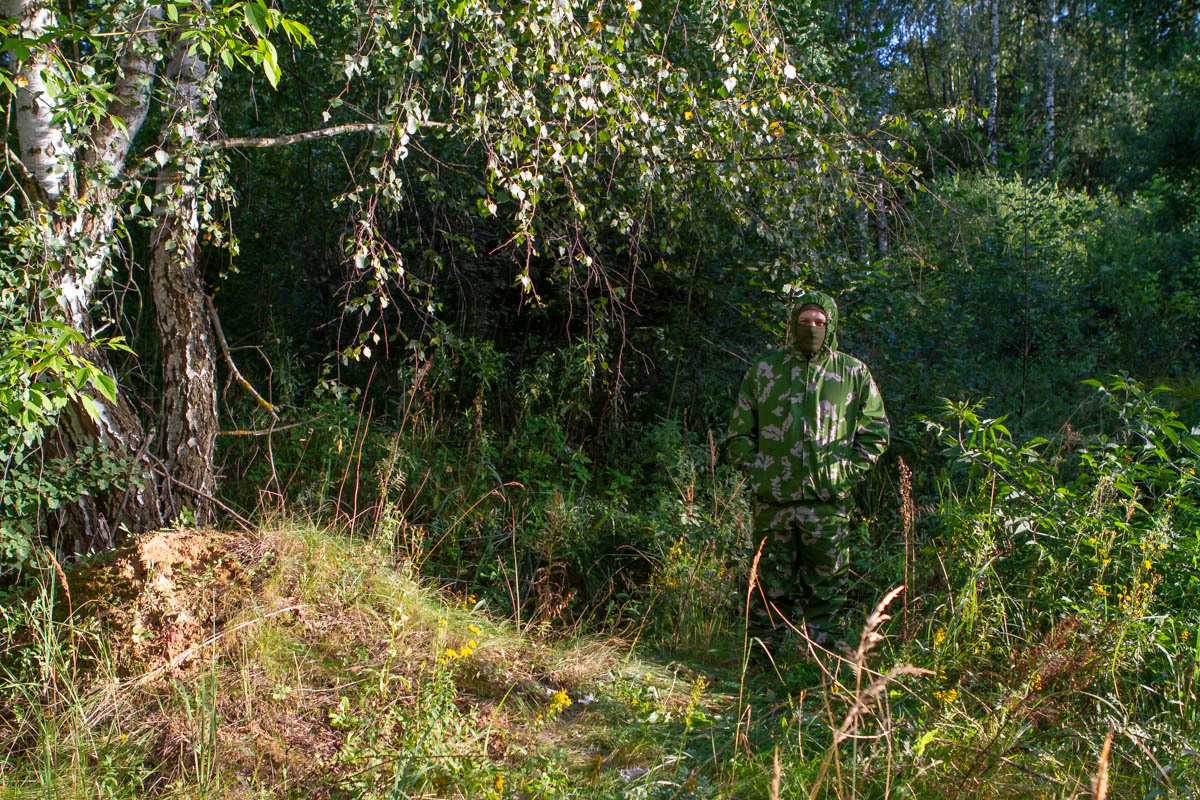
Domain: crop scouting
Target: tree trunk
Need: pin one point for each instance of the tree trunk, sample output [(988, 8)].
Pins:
[(78, 241), (993, 129), (925, 69), (44, 149), (188, 355), (1051, 66), (115, 432), (94, 522)]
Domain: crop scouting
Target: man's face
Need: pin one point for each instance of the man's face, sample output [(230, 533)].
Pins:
[(812, 317)]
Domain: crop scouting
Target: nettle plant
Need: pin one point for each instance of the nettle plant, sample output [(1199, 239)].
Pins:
[(1070, 568), (1099, 527)]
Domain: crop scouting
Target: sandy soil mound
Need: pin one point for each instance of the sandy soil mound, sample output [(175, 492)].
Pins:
[(163, 595)]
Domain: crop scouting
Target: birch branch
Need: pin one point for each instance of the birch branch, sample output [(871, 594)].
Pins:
[(319, 133), (304, 136)]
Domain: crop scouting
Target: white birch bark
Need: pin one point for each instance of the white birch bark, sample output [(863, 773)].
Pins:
[(135, 79), (73, 174), (44, 148), (993, 125), (1051, 69)]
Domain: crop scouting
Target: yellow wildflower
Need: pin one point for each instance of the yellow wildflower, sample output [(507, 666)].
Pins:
[(559, 702), (948, 696)]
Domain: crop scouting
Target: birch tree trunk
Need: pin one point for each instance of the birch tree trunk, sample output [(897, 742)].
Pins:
[(188, 356), (993, 125), (71, 188), (43, 146), (1051, 67)]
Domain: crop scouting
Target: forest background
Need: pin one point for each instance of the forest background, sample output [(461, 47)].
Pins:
[(473, 285)]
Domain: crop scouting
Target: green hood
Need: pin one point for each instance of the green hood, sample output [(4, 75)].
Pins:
[(807, 430), (831, 316)]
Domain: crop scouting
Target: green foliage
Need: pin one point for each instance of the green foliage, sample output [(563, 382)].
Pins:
[(538, 159), (71, 191), (1021, 290), (553, 239), (42, 372), (1068, 573)]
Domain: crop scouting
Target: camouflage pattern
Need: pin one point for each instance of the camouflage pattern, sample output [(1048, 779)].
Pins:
[(802, 571), (805, 431)]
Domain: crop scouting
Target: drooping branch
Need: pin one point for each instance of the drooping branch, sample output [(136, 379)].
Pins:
[(233, 370)]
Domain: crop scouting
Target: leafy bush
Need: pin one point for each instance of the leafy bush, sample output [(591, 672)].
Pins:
[(1065, 598), (1019, 290)]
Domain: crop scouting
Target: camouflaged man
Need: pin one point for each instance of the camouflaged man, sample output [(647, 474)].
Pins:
[(809, 424)]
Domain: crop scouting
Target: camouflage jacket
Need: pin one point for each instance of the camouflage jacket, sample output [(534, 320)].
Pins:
[(805, 431)]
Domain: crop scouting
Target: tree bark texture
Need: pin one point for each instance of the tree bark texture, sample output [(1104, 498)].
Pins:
[(993, 125), (188, 355), (44, 149), (95, 521)]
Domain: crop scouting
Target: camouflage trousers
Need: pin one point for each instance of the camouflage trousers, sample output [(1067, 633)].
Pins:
[(802, 573)]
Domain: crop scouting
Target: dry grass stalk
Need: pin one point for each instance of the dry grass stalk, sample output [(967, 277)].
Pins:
[(870, 633), (739, 734), (861, 702), (1100, 782), (864, 697), (776, 775), (62, 579), (908, 510), (754, 577)]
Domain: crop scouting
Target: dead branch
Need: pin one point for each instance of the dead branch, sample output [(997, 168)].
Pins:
[(236, 373)]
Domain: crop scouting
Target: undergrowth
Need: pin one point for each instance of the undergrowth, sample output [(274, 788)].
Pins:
[(1033, 600)]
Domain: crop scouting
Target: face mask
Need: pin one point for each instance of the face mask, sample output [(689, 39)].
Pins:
[(808, 339)]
